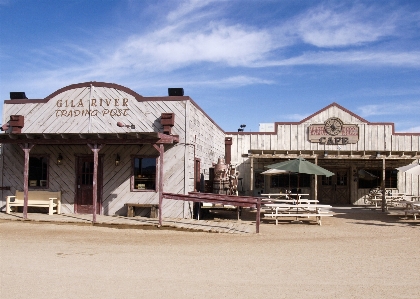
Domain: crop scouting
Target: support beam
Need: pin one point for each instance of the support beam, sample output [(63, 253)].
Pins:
[(316, 181), (95, 149), (251, 179), (383, 186), (26, 148), (161, 150)]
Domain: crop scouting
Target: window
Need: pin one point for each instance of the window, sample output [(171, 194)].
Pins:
[(259, 181), (290, 181), (38, 172), (144, 174)]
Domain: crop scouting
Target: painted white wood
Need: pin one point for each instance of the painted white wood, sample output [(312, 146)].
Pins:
[(97, 110)]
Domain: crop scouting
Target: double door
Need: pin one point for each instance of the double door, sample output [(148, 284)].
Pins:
[(334, 189)]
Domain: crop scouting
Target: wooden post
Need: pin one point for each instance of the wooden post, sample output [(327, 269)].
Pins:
[(258, 220), (383, 186), (26, 148), (251, 186), (316, 181), (95, 149), (160, 149)]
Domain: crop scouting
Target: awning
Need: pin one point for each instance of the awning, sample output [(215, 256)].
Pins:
[(363, 174), (85, 138)]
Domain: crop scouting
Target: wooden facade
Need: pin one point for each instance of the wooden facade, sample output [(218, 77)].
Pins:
[(354, 145), (122, 124), (115, 124)]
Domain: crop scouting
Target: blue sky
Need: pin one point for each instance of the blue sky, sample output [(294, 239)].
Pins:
[(243, 62)]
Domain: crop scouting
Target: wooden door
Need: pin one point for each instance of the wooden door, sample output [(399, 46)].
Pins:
[(334, 189), (84, 188)]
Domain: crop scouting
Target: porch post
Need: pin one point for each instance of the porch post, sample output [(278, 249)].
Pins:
[(95, 149), (160, 149), (316, 181), (251, 187), (383, 186), (26, 148)]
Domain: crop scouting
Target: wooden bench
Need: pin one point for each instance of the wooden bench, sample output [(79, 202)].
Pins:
[(46, 199), (131, 212)]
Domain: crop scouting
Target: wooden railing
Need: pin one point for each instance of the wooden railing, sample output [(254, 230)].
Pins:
[(239, 201)]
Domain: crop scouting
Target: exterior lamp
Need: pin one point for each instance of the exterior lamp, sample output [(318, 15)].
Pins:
[(117, 160), (59, 159), (325, 154)]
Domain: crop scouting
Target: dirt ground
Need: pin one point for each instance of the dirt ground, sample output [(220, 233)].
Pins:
[(355, 254)]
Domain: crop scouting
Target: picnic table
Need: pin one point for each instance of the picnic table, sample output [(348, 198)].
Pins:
[(284, 195), (278, 210), (411, 207), (292, 201), (390, 200)]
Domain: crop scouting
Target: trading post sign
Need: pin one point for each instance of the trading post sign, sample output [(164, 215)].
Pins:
[(334, 132)]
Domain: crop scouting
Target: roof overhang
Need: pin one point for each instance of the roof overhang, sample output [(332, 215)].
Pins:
[(322, 154), (90, 138)]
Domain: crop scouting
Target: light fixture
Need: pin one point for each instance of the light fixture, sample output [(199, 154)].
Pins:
[(59, 159), (117, 160), (378, 154), (325, 154)]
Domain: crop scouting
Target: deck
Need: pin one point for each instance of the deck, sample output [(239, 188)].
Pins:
[(217, 226)]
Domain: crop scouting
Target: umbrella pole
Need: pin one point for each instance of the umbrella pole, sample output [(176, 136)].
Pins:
[(297, 190)]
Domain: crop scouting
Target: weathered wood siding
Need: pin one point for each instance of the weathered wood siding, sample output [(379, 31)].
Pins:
[(293, 137), (97, 110)]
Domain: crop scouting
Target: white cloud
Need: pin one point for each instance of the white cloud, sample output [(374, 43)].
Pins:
[(339, 27), (169, 49), (234, 81), (404, 108), (188, 8), (413, 129), (367, 58)]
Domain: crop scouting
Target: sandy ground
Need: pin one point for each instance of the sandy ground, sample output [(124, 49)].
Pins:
[(355, 254)]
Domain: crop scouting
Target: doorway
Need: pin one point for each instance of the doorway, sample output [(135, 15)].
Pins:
[(84, 187), (334, 189)]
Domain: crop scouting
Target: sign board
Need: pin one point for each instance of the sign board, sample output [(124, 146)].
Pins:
[(334, 132)]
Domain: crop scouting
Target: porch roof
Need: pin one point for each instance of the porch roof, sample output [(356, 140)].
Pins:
[(85, 138), (324, 154)]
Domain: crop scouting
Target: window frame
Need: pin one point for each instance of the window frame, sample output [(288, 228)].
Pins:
[(38, 179), (132, 176)]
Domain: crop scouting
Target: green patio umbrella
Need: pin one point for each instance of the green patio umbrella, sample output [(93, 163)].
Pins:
[(300, 165)]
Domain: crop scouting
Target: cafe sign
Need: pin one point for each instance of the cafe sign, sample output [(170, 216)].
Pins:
[(334, 132)]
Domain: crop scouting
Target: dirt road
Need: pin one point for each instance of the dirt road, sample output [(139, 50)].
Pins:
[(352, 255)]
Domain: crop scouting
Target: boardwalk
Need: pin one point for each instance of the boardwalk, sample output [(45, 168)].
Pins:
[(218, 226)]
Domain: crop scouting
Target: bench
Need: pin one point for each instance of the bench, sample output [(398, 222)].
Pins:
[(46, 199), (301, 210), (413, 212), (154, 208), (306, 215)]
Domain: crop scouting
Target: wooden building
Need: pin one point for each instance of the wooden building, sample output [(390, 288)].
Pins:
[(360, 154), (105, 141), (111, 132)]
